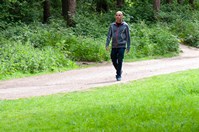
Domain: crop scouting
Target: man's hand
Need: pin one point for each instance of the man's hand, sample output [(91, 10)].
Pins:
[(127, 51), (107, 48)]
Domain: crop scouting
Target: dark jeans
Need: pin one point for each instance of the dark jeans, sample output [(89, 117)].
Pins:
[(117, 55)]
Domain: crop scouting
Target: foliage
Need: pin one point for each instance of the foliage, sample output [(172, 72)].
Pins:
[(170, 12), (35, 48), (140, 11), (183, 22), (92, 25), (151, 35), (152, 41), (20, 10), (88, 49), (161, 103), (18, 57), (188, 31)]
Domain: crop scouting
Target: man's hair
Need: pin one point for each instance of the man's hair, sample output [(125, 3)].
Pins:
[(120, 12)]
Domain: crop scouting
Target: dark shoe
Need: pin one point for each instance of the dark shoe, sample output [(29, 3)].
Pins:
[(118, 78)]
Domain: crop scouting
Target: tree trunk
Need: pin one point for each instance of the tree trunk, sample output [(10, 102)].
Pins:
[(180, 1), (46, 11), (101, 5), (156, 5), (120, 3), (169, 1), (71, 12), (68, 11)]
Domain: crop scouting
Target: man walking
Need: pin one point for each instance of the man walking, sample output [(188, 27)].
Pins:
[(120, 35)]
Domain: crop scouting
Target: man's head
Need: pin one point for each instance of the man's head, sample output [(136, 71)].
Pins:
[(118, 16)]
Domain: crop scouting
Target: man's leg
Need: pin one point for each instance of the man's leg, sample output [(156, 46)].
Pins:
[(114, 54), (120, 61)]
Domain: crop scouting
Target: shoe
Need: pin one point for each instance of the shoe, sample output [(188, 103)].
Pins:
[(118, 78)]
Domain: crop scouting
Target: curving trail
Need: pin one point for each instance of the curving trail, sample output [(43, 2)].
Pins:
[(82, 79)]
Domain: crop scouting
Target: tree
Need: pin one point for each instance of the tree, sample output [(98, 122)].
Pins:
[(68, 11), (156, 5), (101, 5), (46, 11), (120, 3)]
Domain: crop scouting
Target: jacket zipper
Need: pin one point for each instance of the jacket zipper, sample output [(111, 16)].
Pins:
[(117, 36)]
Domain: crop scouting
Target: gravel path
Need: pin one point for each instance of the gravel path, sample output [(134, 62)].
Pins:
[(82, 79)]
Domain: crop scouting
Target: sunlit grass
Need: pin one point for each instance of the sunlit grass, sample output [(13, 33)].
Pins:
[(161, 103)]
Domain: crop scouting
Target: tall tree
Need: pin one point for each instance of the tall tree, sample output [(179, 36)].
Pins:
[(120, 3), (68, 11), (156, 5), (46, 11)]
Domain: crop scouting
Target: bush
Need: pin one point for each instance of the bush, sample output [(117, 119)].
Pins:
[(183, 22), (170, 12), (39, 35), (139, 10), (20, 10), (18, 57), (89, 49), (152, 41), (187, 31), (92, 25), (36, 47)]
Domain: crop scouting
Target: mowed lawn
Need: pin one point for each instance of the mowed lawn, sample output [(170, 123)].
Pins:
[(160, 103)]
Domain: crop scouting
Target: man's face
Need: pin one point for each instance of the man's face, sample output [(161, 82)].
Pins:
[(118, 17)]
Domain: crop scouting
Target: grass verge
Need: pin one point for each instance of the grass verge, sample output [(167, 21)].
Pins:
[(160, 103)]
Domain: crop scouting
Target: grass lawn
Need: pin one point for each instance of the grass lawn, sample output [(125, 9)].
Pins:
[(160, 103)]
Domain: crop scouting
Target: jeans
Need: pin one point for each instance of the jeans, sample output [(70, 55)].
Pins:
[(117, 55)]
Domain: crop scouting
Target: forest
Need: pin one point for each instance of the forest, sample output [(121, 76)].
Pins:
[(52, 35)]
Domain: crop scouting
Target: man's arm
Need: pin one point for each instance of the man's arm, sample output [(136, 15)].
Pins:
[(128, 39), (108, 38)]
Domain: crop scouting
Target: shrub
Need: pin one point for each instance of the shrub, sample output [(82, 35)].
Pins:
[(139, 10), (89, 49), (18, 57), (92, 25), (187, 31), (152, 41), (170, 12), (39, 35), (183, 22), (20, 10)]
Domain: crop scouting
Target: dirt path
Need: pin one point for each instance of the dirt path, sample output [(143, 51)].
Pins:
[(82, 79)]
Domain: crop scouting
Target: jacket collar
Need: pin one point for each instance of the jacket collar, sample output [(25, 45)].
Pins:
[(116, 23)]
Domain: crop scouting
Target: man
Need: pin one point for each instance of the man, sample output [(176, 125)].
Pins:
[(119, 33)]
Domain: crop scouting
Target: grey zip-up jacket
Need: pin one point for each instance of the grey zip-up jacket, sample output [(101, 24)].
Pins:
[(120, 36)]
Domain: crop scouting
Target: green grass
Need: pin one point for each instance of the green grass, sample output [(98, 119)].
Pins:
[(161, 103)]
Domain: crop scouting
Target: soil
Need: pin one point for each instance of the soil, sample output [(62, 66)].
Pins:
[(102, 75)]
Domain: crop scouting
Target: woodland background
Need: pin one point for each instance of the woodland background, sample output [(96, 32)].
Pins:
[(52, 35)]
